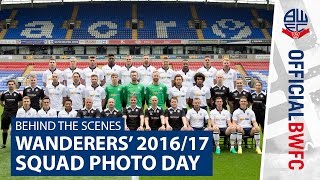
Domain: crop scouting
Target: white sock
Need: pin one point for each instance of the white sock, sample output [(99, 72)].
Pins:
[(216, 138), (233, 138), (257, 138), (239, 138)]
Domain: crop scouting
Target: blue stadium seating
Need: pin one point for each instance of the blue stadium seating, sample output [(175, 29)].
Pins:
[(51, 19), (228, 23), (4, 14), (5, 75), (117, 13), (165, 21), (261, 75)]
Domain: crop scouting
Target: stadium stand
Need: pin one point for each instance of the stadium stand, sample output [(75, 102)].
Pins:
[(10, 71), (105, 21), (40, 23), (172, 24), (223, 25), (258, 70)]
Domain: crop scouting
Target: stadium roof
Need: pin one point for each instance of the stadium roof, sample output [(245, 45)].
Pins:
[(55, 1)]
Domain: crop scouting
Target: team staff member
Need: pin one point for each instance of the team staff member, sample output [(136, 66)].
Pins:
[(154, 119), (222, 126), (219, 90), (200, 91), (180, 92), (259, 99), (115, 91), (244, 118), (67, 112), (234, 96), (157, 89), (26, 111), (111, 111), (134, 89), (197, 117), (35, 92), (11, 100), (46, 110), (133, 116), (76, 92), (175, 117), (88, 111)]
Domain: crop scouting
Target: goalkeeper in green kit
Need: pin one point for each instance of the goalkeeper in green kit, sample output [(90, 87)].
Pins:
[(157, 89), (115, 91), (134, 88)]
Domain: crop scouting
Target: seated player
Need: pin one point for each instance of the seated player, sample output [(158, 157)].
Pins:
[(197, 117), (111, 112), (46, 110), (175, 117), (67, 112), (26, 111), (133, 116), (88, 111), (222, 125), (154, 119), (244, 117)]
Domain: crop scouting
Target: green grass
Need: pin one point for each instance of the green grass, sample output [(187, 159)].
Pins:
[(226, 166)]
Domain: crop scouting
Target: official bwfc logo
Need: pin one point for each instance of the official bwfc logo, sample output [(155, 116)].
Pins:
[(296, 22)]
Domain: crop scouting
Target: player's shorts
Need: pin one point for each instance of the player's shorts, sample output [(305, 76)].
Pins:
[(247, 131), (5, 120), (222, 131), (197, 129)]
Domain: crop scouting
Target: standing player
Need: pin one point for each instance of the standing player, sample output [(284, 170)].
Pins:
[(134, 89), (145, 71), (35, 92), (88, 111), (166, 74), (230, 75), (46, 110), (180, 92), (219, 90), (47, 75), (56, 92), (93, 69), (76, 92), (11, 100), (175, 117), (197, 117), (26, 111), (234, 96), (67, 112), (133, 116), (96, 92), (157, 89), (153, 118), (244, 118), (115, 91), (109, 69), (259, 99), (126, 71), (200, 91), (68, 73), (187, 74), (111, 112), (209, 72), (221, 125)]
